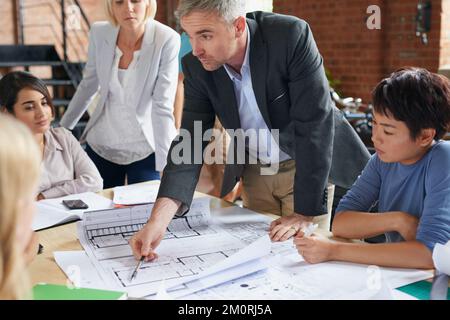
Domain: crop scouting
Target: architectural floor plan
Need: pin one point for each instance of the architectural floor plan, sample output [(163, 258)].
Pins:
[(191, 244), (199, 241)]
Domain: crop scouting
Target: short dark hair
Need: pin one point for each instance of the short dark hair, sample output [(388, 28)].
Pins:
[(13, 82), (417, 97)]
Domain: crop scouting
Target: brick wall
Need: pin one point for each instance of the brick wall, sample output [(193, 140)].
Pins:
[(7, 29), (355, 56), (359, 57), (42, 21), (402, 45), (445, 34)]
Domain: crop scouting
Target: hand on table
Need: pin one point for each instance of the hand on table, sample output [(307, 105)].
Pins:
[(284, 228)]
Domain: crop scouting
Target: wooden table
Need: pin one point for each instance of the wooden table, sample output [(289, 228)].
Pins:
[(64, 238)]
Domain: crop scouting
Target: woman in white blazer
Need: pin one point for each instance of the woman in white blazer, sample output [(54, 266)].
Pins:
[(133, 65)]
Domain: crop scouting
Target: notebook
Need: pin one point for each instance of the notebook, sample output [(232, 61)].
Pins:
[(51, 212)]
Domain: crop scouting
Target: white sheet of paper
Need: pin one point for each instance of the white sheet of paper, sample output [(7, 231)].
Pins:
[(400, 295), (441, 257), (52, 212), (136, 194), (243, 262), (162, 292), (79, 269), (223, 276), (382, 291)]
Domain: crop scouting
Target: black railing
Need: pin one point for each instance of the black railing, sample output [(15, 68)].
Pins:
[(74, 42), (18, 5), (83, 14), (64, 29)]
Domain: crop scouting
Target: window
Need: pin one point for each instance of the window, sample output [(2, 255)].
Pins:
[(259, 5)]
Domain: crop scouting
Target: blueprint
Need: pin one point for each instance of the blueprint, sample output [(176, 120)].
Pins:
[(191, 245), (199, 241)]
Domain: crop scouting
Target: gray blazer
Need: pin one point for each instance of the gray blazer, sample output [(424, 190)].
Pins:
[(293, 96)]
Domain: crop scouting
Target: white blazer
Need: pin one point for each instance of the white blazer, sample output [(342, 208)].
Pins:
[(157, 82)]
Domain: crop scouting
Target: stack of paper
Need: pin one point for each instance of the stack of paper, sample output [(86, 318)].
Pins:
[(246, 261)]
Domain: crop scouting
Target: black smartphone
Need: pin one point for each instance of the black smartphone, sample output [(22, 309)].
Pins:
[(75, 204)]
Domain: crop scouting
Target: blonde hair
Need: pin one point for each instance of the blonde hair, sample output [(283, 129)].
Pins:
[(19, 172), (150, 13)]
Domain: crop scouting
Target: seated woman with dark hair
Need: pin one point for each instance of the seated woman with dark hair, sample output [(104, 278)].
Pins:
[(408, 177), (66, 168)]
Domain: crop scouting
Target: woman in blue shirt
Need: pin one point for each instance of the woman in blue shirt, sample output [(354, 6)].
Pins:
[(408, 179)]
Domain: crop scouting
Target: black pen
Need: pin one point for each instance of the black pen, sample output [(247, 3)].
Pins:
[(137, 268)]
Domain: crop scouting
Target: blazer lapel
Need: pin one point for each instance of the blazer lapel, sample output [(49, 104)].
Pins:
[(258, 67), (107, 56), (146, 58)]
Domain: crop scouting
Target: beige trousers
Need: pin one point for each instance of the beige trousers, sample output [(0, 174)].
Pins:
[(275, 193)]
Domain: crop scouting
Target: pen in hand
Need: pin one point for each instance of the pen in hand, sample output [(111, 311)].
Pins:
[(137, 268)]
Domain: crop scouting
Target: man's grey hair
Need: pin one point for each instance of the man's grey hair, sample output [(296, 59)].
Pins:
[(229, 10)]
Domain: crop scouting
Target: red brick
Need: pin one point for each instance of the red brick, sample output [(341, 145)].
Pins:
[(371, 54)]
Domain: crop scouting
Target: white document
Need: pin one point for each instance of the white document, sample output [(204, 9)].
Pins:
[(136, 194), (221, 277), (441, 257), (290, 277), (285, 279), (79, 270), (400, 295), (246, 261), (51, 212)]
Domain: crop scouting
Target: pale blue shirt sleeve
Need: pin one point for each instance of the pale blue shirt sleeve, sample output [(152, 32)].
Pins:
[(365, 191), (184, 50), (434, 224)]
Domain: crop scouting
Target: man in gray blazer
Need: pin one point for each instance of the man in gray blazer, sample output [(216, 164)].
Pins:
[(262, 71)]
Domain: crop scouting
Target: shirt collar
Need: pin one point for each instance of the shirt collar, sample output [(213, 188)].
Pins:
[(246, 65), (51, 143)]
